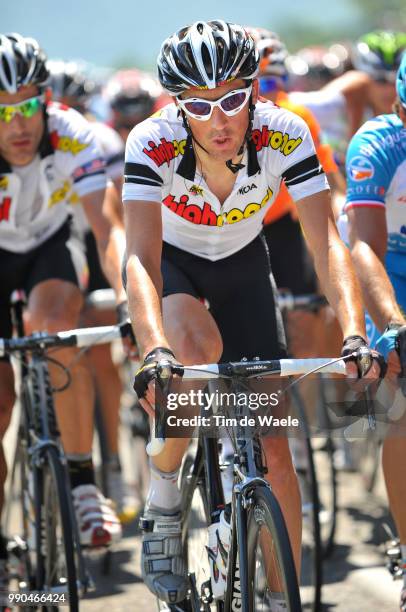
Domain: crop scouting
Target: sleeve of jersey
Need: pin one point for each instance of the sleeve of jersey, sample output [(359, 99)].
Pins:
[(368, 175), (115, 165), (89, 169), (301, 169), (143, 168)]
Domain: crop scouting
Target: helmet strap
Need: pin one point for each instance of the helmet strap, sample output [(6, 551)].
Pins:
[(184, 122)]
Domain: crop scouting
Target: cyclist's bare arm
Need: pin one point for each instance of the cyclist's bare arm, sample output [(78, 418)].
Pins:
[(113, 211), (110, 253), (113, 206), (143, 222), (368, 240), (338, 191), (332, 262), (118, 183)]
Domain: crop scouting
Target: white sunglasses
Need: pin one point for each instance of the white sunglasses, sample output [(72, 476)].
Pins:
[(231, 104)]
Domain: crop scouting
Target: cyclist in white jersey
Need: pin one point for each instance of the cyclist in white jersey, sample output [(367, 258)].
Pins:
[(376, 196), (72, 87), (199, 178), (342, 105), (48, 159)]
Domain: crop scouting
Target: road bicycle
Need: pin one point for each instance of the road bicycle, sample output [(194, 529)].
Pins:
[(259, 562), (48, 551)]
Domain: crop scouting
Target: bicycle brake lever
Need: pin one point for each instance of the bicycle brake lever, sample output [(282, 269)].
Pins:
[(163, 380), (364, 361)]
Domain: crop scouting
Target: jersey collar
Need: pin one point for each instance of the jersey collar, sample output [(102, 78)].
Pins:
[(187, 166)]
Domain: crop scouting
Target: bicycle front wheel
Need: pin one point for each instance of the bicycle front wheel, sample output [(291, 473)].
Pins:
[(271, 569), (57, 534)]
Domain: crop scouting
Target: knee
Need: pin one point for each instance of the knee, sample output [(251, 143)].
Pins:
[(54, 319), (193, 347)]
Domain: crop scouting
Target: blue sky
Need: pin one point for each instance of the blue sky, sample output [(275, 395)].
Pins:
[(109, 31)]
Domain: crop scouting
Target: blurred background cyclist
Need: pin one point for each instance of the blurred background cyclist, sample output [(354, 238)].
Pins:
[(347, 100)]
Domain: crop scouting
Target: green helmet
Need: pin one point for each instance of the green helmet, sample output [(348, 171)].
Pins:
[(379, 53)]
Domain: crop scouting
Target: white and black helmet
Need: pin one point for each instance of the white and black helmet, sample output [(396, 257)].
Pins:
[(206, 55), (22, 62)]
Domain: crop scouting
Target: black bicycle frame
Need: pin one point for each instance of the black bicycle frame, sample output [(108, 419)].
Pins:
[(38, 428)]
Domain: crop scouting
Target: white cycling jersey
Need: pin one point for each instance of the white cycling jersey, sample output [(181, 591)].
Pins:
[(160, 167), (35, 199), (330, 108)]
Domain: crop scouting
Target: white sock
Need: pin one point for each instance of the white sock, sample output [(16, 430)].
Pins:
[(403, 554), (163, 495)]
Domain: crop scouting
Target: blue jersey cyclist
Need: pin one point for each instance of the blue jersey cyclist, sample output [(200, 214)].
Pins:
[(199, 178), (376, 212)]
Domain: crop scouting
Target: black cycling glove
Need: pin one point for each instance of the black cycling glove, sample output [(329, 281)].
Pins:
[(362, 355), (159, 364)]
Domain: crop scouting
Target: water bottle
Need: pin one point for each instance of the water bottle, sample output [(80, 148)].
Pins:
[(218, 549)]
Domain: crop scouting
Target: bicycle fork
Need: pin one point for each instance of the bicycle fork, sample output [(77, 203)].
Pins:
[(237, 572)]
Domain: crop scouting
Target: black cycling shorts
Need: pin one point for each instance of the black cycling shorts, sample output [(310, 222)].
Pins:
[(291, 263), (240, 292), (97, 280), (60, 257)]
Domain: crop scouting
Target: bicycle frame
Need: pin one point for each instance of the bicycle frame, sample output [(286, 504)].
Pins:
[(248, 473), (38, 428)]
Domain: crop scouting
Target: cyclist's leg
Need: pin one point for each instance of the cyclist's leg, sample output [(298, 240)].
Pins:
[(8, 274), (394, 446), (194, 338), (251, 326), (54, 304), (7, 393), (106, 373), (299, 278), (7, 398), (108, 384)]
